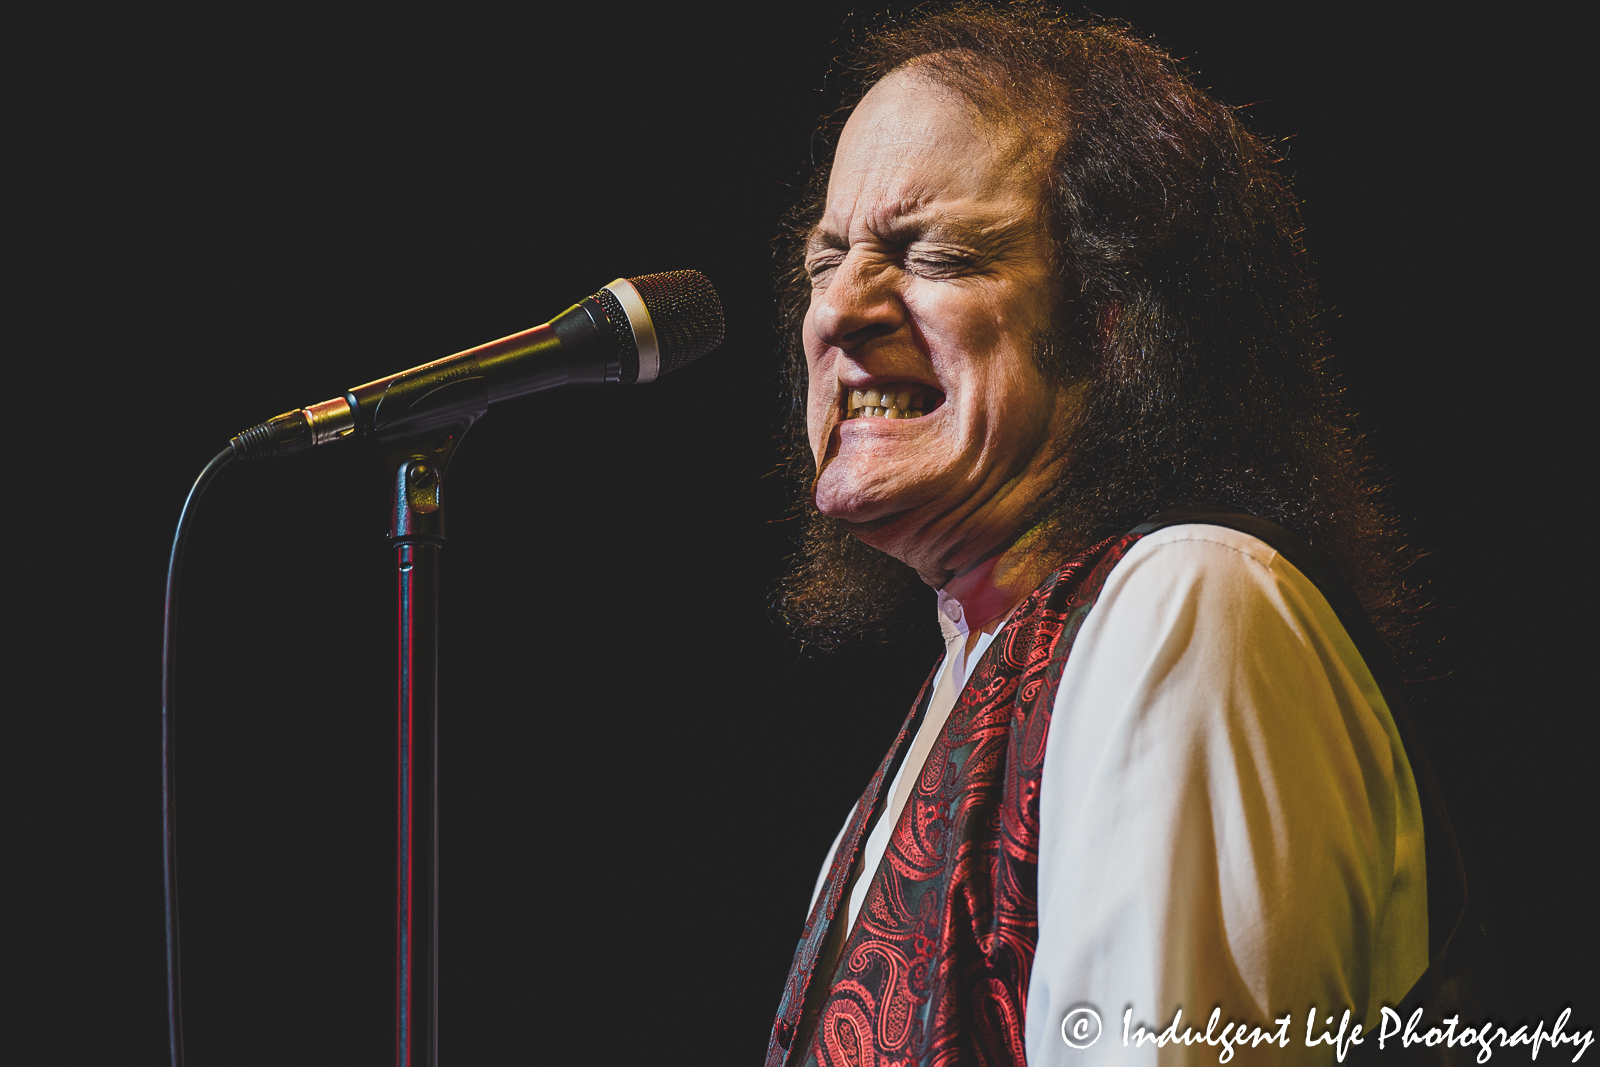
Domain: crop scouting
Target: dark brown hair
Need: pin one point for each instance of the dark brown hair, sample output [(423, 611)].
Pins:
[(1191, 315)]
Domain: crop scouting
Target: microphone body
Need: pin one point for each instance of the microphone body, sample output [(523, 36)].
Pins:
[(632, 331)]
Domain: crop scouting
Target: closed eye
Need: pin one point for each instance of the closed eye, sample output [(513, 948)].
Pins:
[(939, 263), (922, 262), (820, 266)]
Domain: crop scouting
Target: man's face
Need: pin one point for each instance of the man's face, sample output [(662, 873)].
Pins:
[(932, 282)]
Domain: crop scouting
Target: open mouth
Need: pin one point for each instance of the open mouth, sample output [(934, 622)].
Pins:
[(901, 400)]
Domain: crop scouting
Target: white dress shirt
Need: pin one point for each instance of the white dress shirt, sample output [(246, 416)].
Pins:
[(1227, 817)]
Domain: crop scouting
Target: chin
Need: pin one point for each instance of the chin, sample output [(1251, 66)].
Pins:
[(864, 509), (849, 504), (868, 479), (849, 508)]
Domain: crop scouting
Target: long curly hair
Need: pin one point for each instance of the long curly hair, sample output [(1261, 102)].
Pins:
[(1190, 316)]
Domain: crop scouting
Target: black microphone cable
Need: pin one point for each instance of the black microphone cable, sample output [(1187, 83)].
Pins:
[(169, 814)]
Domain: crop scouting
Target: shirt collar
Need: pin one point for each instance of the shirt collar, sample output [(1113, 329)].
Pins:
[(981, 596), (952, 620), (977, 594)]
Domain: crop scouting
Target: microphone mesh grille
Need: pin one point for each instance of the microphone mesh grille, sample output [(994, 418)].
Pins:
[(686, 313), (627, 354)]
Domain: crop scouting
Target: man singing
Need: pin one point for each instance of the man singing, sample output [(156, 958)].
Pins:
[(1049, 292)]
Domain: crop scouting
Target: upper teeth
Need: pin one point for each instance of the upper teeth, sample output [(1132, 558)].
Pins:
[(895, 402)]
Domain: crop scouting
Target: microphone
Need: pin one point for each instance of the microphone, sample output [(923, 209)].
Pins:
[(632, 331)]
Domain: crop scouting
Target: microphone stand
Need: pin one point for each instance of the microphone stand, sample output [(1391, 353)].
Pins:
[(419, 417), (416, 471)]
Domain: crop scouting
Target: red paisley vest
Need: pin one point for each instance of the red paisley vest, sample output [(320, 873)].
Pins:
[(936, 970)]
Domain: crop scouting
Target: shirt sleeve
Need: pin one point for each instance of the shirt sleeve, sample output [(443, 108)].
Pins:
[(1227, 817)]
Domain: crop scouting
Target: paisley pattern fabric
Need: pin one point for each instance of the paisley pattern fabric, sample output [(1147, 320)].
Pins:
[(817, 926), (936, 970)]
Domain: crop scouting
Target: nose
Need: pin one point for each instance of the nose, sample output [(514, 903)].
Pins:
[(859, 305)]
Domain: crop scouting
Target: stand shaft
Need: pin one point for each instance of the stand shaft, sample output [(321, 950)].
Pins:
[(417, 903), (417, 532)]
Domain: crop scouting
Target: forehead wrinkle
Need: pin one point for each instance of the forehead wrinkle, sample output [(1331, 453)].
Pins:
[(879, 218), (896, 175)]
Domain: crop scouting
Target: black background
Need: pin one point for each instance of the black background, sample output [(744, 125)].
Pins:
[(226, 213)]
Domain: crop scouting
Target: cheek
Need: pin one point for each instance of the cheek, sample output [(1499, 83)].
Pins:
[(821, 388), (960, 330), (1020, 406)]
